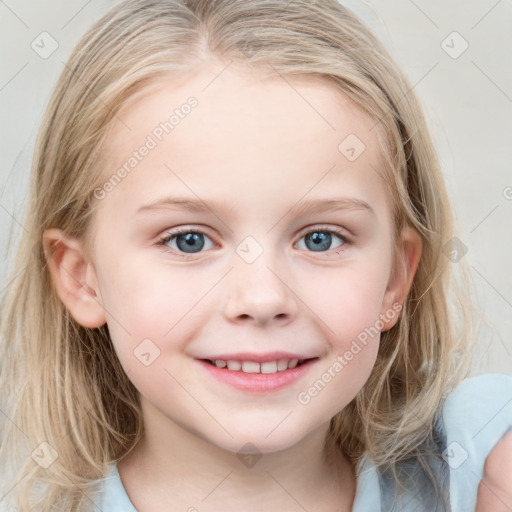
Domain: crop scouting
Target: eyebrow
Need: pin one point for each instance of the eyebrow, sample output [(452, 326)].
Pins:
[(302, 207)]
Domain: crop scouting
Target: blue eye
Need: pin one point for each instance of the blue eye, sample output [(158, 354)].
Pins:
[(320, 240), (192, 241), (189, 241)]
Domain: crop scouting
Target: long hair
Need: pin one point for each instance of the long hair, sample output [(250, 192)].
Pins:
[(63, 391)]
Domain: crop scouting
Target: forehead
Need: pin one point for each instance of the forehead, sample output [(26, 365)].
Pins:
[(262, 137), (239, 100)]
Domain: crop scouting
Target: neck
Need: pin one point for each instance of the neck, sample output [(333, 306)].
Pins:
[(172, 465)]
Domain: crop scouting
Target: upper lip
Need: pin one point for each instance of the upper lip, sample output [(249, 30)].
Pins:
[(259, 358)]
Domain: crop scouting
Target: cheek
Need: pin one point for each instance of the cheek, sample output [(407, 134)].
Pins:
[(350, 326), (346, 300), (348, 304), (145, 303)]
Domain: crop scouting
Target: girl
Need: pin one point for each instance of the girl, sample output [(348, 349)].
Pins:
[(306, 355)]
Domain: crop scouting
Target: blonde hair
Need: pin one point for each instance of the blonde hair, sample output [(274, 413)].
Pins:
[(62, 383)]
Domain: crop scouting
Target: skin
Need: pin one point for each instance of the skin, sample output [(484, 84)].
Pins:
[(261, 147), (495, 489)]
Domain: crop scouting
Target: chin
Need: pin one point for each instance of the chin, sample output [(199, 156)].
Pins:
[(256, 442)]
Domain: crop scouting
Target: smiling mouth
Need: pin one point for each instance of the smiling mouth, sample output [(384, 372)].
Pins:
[(268, 367)]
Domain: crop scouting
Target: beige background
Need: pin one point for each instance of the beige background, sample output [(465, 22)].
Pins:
[(467, 98)]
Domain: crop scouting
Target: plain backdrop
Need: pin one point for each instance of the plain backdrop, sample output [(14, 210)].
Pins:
[(457, 55)]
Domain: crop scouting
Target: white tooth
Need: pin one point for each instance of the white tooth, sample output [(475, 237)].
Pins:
[(293, 363), (234, 365), (282, 365), (270, 367), (250, 367), (219, 363)]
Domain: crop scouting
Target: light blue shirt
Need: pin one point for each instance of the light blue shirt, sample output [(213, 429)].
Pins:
[(476, 415)]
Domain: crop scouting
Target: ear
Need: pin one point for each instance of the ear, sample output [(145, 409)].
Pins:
[(402, 275), (74, 278)]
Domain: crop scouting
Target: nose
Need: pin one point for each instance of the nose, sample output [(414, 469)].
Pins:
[(259, 294)]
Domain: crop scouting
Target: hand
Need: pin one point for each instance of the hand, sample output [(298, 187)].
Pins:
[(495, 489)]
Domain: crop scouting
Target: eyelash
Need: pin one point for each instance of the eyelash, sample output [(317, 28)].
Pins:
[(182, 231)]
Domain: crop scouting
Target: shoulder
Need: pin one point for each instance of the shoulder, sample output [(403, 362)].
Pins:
[(475, 416), (489, 385), (472, 419), (479, 405)]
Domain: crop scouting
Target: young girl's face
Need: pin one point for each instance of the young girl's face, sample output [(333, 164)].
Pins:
[(263, 279)]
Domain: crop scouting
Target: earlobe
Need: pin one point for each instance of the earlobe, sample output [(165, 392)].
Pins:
[(409, 255), (74, 278)]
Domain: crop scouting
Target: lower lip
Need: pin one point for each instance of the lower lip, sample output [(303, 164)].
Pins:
[(258, 382)]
